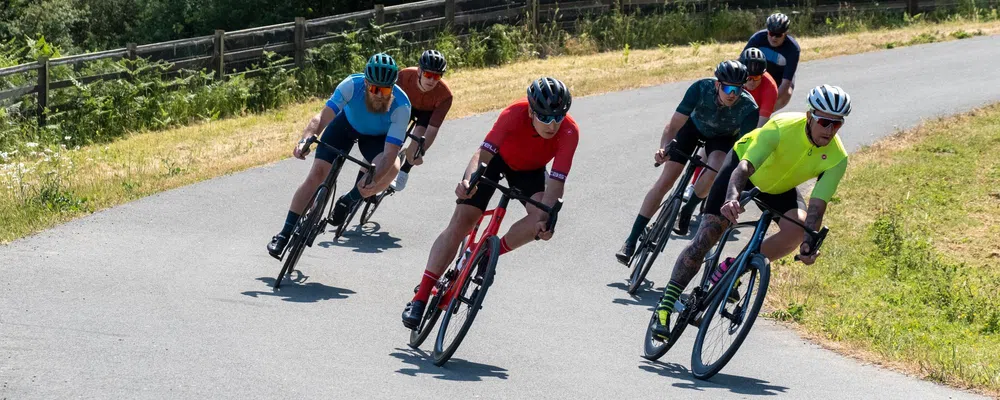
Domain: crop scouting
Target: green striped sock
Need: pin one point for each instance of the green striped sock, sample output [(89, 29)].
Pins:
[(670, 295)]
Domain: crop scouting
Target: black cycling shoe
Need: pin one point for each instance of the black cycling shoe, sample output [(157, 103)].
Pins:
[(659, 330), (277, 245), (625, 254), (683, 222), (413, 313), (340, 211)]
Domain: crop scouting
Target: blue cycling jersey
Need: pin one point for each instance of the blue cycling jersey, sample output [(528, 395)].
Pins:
[(349, 97)]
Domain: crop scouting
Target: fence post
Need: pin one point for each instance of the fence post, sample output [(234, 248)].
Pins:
[(220, 53), (449, 12), (379, 14), (709, 6), (913, 7), (532, 15), (300, 42), (43, 89)]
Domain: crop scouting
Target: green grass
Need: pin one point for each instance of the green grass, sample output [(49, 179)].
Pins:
[(909, 275)]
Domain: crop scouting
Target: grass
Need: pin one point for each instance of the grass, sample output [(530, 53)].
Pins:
[(910, 275), (99, 176)]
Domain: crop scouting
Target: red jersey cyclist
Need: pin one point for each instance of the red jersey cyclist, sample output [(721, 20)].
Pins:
[(525, 137)]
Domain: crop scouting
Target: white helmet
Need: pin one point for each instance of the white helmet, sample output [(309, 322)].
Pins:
[(831, 100)]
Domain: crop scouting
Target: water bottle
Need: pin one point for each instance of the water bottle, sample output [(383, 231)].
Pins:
[(721, 270)]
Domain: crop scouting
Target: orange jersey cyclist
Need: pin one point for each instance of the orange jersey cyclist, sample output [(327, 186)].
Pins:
[(525, 138), (430, 100)]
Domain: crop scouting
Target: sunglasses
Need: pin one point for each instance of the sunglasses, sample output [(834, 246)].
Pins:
[(432, 75), (730, 89), (385, 91), (776, 35), (756, 77), (549, 119), (826, 122)]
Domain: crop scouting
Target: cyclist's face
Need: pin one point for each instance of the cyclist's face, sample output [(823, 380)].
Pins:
[(751, 83), (427, 83), (546, 131), (727, 99), (377, 102), (776, 41), (821, 135)]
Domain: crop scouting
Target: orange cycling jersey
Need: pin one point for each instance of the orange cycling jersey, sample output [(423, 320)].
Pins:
[(437, 100), (515, 140)]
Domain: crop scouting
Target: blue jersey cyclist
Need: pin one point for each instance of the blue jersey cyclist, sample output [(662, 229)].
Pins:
[(782, 54), (367, 108)]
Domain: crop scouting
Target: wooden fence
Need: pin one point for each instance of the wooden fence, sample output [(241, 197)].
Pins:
[(230, 52)]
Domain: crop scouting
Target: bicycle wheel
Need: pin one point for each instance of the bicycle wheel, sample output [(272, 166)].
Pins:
[(431, 314), (303, 232), (467, 302), (658, 237), (724, 321), (654, 348), (350, 217), (371, 206)]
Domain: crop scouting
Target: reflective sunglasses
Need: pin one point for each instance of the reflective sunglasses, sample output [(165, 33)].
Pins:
[(756, 77), (379, 89), (432, 75), (775, 35), (730, 89), (549, 119), (826, 122)]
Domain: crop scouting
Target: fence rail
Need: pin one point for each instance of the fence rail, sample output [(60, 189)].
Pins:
[(242, 47)]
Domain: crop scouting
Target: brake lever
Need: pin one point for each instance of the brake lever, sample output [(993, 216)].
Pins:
[(550, 225)]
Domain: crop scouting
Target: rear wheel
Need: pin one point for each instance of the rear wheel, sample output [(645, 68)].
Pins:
[(655, 241), (730, 323), (371, 205), (469, 295)]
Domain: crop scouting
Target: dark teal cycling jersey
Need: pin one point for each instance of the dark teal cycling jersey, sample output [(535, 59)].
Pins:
[(714, 120)]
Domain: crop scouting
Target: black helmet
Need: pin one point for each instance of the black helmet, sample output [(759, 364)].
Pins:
[(778, 23), (731, 71), (754, 60), (433, 61), (549, 96)]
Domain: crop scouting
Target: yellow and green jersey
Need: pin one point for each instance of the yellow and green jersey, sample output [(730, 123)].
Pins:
[(783, 157)]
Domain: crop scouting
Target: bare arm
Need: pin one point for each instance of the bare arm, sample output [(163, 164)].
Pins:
[(762, 120), (783, 87), (814, 219), (389, 154), (739, 179), (318, 123), (670, 131)]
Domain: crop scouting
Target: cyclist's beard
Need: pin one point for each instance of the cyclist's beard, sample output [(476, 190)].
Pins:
[(377, 106)]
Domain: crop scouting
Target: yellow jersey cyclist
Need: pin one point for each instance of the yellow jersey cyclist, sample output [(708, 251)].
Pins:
[(787, 151), (716, 110)]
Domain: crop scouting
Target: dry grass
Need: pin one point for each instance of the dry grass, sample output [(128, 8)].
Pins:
[(146, 163)]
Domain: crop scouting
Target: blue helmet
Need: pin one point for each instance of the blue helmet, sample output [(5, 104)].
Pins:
[(381, 70)]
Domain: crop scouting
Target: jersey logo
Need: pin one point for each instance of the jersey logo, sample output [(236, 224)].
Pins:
[(559, 176), (489, 147)]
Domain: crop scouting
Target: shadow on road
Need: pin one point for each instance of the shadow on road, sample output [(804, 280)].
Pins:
[(455, 370), (735, 384), (294, 290), (366, 238), (645, 296)]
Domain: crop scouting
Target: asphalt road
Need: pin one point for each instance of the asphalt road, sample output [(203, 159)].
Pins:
[(170, 296)]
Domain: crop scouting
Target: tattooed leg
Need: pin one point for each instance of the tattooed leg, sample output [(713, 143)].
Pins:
[(691, 258)]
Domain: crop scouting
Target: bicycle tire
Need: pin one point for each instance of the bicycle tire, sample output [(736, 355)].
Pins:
[(302, 233), (350, 217), (646, 262), (485, 258), (652, 348), (701, 371), (371, 206), (417, 336)]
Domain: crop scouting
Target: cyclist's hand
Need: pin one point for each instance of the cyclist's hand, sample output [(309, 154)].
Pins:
[(300, 150), (731, 210), (462, 187), (366, 190), (541, 230), (411, 152), (804, 256), (660, 156)]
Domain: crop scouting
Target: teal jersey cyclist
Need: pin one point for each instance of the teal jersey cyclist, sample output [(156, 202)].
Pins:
[(717, 111), (367, 108), (786, 152)]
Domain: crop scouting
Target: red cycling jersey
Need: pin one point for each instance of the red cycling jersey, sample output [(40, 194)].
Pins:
[(765, 95), (522, 149)]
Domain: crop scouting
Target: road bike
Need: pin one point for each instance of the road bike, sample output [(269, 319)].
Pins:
[(458, 295), (720, 309)]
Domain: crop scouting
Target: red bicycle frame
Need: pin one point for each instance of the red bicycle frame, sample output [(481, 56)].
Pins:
[(496, 218)]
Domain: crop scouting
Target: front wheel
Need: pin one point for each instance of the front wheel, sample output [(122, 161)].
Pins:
[(654, 347), (304, 232), (431, 314), (729, 322), (468, 299), (372, 205), (654, 244)]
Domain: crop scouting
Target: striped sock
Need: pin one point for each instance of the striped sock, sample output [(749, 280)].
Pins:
[(504, 248), (670, 295)]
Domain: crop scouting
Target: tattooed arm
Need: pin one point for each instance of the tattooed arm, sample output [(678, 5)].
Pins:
[(732, 209), (817, 207)]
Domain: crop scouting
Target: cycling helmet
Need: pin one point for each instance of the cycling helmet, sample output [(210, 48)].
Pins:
[(549, 96), (778, 23), (433, 61), (381, 70), (754, 60), (731, 71), (831, 100)]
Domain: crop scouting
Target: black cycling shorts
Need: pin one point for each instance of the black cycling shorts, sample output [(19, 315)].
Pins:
[(421, 117), (688, 136), (782, 202), (528, 182), (341, 135)]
